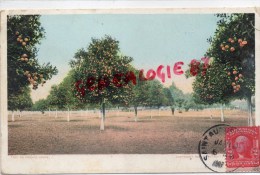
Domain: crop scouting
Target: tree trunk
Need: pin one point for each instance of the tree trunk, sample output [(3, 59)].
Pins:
[(135, 107), (222, 113), (159, 112), (20, 113), (117, 112), (172, 108), (151, 113), (68, 117), (56, 114), (102, 125), (249, 104), (12, 116), (100, 111), (94, 112), (49, 112)]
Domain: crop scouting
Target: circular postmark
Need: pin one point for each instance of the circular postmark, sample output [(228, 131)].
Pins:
[(212, 148)]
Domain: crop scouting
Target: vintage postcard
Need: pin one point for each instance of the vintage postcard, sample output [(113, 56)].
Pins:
[(130, 91)]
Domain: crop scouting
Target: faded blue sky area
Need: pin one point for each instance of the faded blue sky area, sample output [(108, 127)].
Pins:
[(151, 39)]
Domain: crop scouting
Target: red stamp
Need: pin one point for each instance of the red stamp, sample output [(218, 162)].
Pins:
[(242, 147)]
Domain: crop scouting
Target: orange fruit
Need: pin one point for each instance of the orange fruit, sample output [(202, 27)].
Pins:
[(232, 49), (228, 73), (26, 59), (234, 87), (233, 84), (16, 33), (240, 75), (229, 39), (234, 72), (232, 41), (239, 40), (26, 39), (223, 48), (226, 46), (241, 45), (24, 55), (236, 78), (244, 42), (22, 59), (24, 43)]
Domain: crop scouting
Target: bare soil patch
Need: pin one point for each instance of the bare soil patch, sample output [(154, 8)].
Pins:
[(161, 134)]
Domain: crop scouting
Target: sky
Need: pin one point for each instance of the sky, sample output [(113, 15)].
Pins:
[(151, 39)]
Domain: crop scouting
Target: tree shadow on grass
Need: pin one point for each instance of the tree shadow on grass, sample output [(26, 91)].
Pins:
[(141, 121), (80, 120), (97, 128), (14, 126), (117, 128), (87, 127)]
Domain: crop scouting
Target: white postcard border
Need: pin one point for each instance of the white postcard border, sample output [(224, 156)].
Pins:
[(116, 163)]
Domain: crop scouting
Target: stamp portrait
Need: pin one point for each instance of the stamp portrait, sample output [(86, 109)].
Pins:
[(242, 147)]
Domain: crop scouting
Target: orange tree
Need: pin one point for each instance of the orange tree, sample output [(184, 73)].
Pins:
[(40, 105), (156, 95), (168, 98), (212, 85), (57, 98), (24, 32), (103, 74), (67, 86), (231, 74), (139, 96), (149, 93), (61, 96), (24, 100), (178, 96), (21, 101)]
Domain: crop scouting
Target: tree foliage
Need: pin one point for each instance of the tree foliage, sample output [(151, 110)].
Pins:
[(168, 98), (156, 96), (40, 105), (214, 86), (177, 94), (139, 95), (230, 73), (61, 96), (101, 72), (21, 101), (24, 33)]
